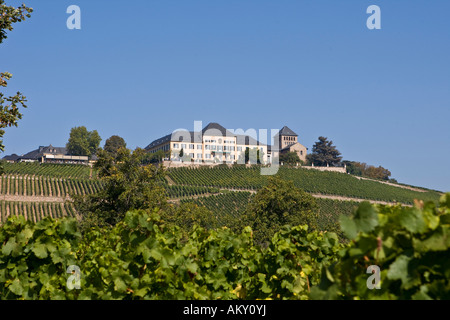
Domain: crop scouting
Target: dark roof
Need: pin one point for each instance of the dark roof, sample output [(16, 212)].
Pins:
[(159, 141), (38, 153), (212, 129), (12, 157), (287, 148), (186, 136), (215, 129), (285, 131)]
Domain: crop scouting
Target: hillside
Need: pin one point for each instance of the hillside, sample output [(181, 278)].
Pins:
[(36, 191)]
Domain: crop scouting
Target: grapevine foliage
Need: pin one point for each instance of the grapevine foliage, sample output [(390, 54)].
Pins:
[(143, 257), (411, 246)]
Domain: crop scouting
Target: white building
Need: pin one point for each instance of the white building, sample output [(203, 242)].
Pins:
[(214, 144)]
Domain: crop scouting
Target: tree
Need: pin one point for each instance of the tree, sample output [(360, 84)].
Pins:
[(290, 158), (353, 168), (378, 173), (158, 156), (277, 204), (252, 155), (127, 184), (369, 171), (113, 144), (9, 106), (10, 15), (324, 153), (83, 142)]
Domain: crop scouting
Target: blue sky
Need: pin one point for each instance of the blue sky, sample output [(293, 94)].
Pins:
[(141, 69)]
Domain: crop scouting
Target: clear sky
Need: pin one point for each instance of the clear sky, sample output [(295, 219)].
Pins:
[(141, 69)]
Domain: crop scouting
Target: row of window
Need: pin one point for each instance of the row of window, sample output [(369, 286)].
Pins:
[(207, 147), (220, 148), (220, 141), (184, 146), (289, 138), (209, 156)]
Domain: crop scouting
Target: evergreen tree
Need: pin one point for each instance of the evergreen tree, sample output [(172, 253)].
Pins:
[(324, 153)]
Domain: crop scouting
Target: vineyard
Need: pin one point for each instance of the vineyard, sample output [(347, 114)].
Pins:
[(188, 191), (141, 258), (223, 190), (231, 205), (46, 186), (48, 170), (318, 182), (35, 211)]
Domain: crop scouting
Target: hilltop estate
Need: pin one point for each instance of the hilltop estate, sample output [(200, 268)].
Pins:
[(213, 144), (216, 144)]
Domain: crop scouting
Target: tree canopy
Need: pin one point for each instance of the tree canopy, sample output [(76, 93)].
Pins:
[(9, 106), (277, 204), (113, 144), (10, 15), (83, 142), (324, 153), (250, 156), (290, 158), (127, 184), (365, 170)]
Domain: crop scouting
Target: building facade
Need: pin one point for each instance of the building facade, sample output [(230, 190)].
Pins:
[(48, 154), (215, 144), (288, 142)]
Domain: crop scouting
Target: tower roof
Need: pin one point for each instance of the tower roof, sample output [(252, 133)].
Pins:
[(285, 131)]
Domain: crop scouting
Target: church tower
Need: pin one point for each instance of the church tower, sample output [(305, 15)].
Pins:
[(288, 142), (287, 137)]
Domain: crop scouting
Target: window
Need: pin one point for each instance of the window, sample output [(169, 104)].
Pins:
[(199, 155), (176, 145), (239, 148), (191, 146), (207, 147), (207, 156), (191, 155), (213, 147), (199, 147), (183, 146), (301, 152)]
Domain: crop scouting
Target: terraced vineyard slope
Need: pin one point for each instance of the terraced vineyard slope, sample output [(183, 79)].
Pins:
[(35, 190), (311, 181)]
